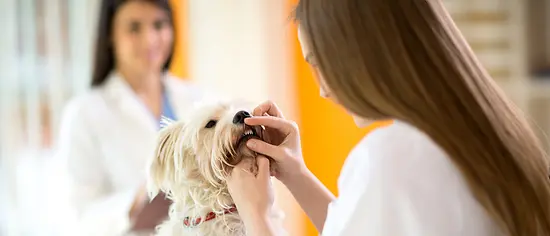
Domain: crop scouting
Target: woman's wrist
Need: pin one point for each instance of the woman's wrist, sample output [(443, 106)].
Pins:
[(251, 215), (312, 196), (297, 178), (258, 223)]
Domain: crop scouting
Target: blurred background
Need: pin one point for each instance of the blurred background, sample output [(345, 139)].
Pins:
[(246, 49)]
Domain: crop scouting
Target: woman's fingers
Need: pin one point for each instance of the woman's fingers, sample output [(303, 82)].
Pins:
[(269, 108), (277, 123)]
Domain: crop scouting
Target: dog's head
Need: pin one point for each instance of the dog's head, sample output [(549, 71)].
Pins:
[(196, 156)]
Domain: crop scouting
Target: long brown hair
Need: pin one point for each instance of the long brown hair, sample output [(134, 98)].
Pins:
[(406, 60)]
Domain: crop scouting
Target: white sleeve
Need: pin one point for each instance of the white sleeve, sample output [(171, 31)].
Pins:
[(100, 211), (395, 193), (381, 213)]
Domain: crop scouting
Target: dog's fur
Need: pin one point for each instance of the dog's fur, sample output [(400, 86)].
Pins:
[(191, 166)]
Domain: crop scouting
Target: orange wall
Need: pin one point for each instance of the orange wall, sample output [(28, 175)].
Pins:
[(179, 66), (328, 133)]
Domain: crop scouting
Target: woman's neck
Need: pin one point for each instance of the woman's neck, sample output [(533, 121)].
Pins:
[(143, 83)]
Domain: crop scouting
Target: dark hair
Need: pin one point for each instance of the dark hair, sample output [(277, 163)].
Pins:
[(406, 60), (104, 60)]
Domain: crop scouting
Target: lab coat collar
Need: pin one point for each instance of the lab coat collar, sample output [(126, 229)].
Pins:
[(120, 93), (182, 94)]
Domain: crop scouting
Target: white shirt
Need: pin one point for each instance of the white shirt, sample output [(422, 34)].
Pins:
[(398, 182), (106, 138)]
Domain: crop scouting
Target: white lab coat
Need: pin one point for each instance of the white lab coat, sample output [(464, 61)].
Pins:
[(106, 137), (398, 182)]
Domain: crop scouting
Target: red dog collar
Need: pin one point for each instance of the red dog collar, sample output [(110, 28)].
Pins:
[(188, 222)]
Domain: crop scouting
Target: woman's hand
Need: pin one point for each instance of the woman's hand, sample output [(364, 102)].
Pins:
[(283, 146), (282, 141), (252, 193), (140, 200)]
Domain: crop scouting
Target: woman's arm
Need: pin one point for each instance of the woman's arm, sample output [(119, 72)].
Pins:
[(282, 144), (259, 225), (100, 210), (312, 196), (310, 193), (253, 195)]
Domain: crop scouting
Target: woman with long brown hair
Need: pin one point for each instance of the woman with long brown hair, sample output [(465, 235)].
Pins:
[(460, 158), (107, 133)]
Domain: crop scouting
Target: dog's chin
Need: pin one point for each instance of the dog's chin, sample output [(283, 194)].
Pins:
[(241, 150), (245, 154)]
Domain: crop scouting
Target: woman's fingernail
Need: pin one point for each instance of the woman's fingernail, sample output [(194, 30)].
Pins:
[(251, 143)]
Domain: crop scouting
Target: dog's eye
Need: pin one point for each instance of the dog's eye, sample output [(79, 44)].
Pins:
[(211, 124)]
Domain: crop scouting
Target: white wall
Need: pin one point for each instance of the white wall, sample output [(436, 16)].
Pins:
[(488, 23), (30, 78), (240, 49)]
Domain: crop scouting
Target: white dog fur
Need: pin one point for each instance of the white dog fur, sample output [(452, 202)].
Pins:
[(193, 160)]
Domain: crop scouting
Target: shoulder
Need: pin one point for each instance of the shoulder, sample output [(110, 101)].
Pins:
[(78, 108), (398, 134), (403, 145), (405, 176), (412, 166), (407, 161), (387, 149), (76, 124), (398, 142)]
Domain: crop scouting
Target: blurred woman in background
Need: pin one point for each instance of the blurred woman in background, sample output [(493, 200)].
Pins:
[(108, 133)]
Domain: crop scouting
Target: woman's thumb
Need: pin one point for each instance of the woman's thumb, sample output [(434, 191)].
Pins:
[(263, 166)]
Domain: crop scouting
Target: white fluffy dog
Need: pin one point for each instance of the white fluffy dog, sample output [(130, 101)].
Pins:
[(193, 160)]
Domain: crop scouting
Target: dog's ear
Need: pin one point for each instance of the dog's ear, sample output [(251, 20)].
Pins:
[(162, 168)]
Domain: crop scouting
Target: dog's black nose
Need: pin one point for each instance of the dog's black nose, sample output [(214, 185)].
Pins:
[(240, 116)]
